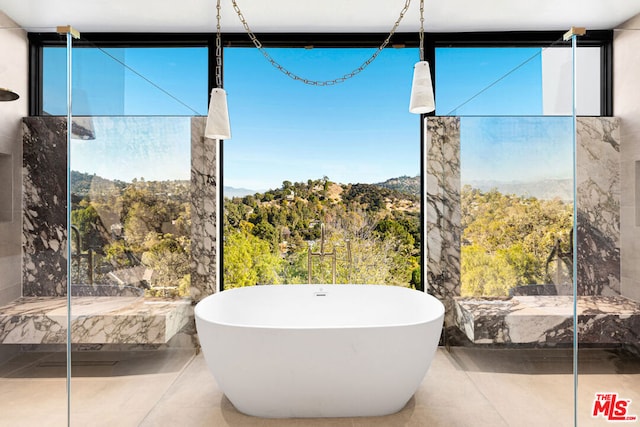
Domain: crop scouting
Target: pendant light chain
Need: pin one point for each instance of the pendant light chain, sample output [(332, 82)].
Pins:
[(421, 30), (218, 48), (342, 79)]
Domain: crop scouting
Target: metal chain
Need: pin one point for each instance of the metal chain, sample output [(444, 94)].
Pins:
[(421, 30), (218, 48), (294, 76)]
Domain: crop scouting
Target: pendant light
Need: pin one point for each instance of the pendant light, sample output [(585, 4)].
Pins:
[(422, 99), (217, 126), (8, 95)]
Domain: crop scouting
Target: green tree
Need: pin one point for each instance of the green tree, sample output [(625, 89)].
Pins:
[(169, 258), (92, 231), (506, 239), (249, 260)]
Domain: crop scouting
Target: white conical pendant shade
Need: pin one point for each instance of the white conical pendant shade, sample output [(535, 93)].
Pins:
[(421, 91), (218, 119)]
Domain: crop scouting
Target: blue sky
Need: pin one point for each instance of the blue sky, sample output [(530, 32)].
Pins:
[(357, 131), (102, 85), (153, 148), (504, 136), (489, 81), (515, 148)]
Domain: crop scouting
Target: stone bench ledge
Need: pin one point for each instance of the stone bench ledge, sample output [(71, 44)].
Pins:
[(548, 319), (95, 320)]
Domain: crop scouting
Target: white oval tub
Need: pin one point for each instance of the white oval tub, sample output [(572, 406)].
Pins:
[(283, 351)]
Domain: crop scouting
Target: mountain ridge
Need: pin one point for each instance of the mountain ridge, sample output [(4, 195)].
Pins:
[(544, 189)]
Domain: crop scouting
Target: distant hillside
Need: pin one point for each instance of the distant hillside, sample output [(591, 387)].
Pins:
[(232, 192), (82, 183), (546, 189), (94, 186), (403, 184)]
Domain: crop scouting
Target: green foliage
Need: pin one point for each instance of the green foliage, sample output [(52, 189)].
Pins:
[(249, 260), (416, 282), (389, 227), (486, 274), (169, 258), (144, 225), (384, 240), (371, 197), (506, 240), (118, 254), (90, 226)]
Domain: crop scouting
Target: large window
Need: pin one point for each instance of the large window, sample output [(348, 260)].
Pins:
[(131, 213), (124, 81), (517, 200), (515, 161), (321, 184), (130, 168), (516, 81)]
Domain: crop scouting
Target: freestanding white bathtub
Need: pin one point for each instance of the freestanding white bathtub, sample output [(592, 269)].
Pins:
[(283, 351)]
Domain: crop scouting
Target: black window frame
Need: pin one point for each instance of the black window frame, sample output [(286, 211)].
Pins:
[(39, 41), (598, 38), (334, 40)]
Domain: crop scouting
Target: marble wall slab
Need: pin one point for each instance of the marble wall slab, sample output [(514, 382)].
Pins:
[(44, 206), (443, 218), (203, 211), (598, 201)]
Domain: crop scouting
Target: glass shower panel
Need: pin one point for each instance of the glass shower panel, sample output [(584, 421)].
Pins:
[(515, 81), (499, 219), (516, 203), (127, 81), (131, 235), (511, 324), (607, 306), (488, 81)]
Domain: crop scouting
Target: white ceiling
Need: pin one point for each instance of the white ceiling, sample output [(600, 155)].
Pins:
[(318, 15)]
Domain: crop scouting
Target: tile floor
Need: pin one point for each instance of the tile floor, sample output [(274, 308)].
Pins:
[(464, 387)]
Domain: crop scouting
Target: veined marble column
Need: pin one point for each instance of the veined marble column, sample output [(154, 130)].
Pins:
[(443, 218), (598, 198), (44, 206), (203, 211)]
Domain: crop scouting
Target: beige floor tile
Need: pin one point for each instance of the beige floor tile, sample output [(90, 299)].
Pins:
[(21, 362), (472, 387), (626, 385), (116, 401), (194, 416), (449, 396), (517, 386), (33, 402)]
